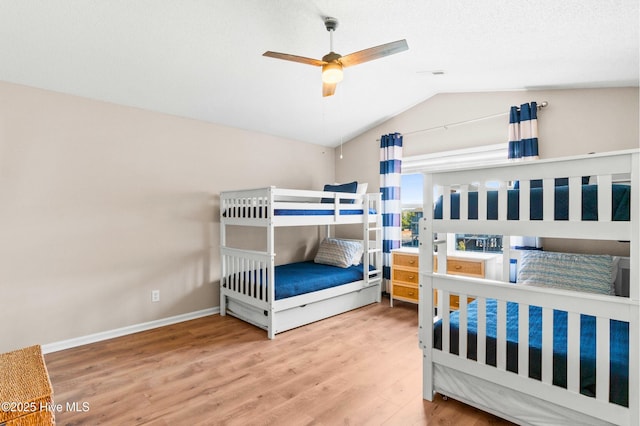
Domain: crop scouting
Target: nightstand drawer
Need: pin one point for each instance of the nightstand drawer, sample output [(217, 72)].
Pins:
[(406, 292), (473, 268), (406, 276), (406, 260), (454, 301)]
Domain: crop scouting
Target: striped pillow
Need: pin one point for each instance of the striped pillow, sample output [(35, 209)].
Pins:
[(587, 273), (337, 252)]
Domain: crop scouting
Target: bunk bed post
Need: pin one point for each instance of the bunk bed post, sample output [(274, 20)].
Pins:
[(271, 292), (634, 290), (378, 253), (223, 243), (365, 240), (425, 293), (506, 258), (634, 254)]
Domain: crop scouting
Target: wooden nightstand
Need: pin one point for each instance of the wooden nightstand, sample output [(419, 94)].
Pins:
[(468, 265), (404, 275)]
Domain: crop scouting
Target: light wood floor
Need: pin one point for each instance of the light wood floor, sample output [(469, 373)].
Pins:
[(359, 368)]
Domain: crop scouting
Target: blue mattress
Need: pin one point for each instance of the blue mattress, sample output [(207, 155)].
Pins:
[(299, 278), (294, 279), (323, 212), (260, 213), (619, 347), (620, 204)]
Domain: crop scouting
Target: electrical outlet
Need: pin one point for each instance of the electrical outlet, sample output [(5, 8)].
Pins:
[(155, 295)]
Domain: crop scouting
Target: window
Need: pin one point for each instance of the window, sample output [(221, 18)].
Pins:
[(411, 200), (411, 192)]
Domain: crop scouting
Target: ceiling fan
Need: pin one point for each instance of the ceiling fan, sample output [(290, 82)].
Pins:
[(332, 63)]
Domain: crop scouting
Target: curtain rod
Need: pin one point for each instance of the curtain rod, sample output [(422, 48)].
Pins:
[(459, 123)]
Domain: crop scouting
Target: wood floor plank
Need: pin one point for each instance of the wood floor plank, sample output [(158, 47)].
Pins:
[(363, 367)]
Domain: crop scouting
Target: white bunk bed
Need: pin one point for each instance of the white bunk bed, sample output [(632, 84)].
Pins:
[(458, 345), (245, 274)]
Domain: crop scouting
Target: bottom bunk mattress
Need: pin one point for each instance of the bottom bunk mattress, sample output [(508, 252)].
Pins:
[(295, 279), (299, 278), (619, 346)]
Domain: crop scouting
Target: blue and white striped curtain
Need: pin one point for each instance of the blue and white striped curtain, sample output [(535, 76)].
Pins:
[(523, 145), (390, 178), (523, 132)]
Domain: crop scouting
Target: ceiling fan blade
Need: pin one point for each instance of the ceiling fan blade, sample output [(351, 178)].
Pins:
[(328, 89), (374, 53), (294, 58)]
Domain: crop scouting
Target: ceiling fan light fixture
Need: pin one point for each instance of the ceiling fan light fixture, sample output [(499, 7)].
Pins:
[(332, 73)]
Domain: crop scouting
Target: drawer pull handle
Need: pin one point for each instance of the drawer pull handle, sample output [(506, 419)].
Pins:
[(411, 262), (411, 277), (458, 266), (411, 293)]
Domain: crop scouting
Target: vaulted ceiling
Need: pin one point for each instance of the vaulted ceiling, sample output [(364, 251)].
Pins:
[(202, 59)]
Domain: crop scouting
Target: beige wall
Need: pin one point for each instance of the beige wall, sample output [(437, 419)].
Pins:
[(100, 204), (576, 121)]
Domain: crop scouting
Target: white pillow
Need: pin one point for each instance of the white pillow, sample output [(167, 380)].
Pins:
[(362, 188), (587, 273), (357, 258), (336, 252)]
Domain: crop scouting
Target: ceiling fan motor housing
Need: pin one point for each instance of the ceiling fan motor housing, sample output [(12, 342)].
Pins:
[(331, 57), (330, 23)]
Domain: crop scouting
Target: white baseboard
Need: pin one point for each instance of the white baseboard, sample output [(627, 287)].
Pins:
[(130, 329)]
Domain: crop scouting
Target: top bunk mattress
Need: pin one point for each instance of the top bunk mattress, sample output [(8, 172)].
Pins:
[(621, 201), (260, 213)]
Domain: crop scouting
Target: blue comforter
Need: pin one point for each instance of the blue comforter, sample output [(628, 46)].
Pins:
[(619, 347), (260, 213), (299, 278), (620, 203)]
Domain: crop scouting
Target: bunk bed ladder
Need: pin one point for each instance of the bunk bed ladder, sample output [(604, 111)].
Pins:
[(372, 247)]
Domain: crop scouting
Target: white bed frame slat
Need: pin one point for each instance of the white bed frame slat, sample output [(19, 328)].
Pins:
[(464, 202), (547, 345), (482, 201), (462, 332), (501, 336), (604, 198), (482, 331), (446, 202), (502, 202), (523, 340), (575, 198), (446, 338), (602, 359), (573, 352), (548, 199), (524, 200)]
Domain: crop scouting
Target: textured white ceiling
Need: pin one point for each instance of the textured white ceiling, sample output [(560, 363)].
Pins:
[(202, 58)]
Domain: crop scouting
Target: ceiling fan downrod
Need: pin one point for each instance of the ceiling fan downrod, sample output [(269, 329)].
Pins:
[(331, 24)]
